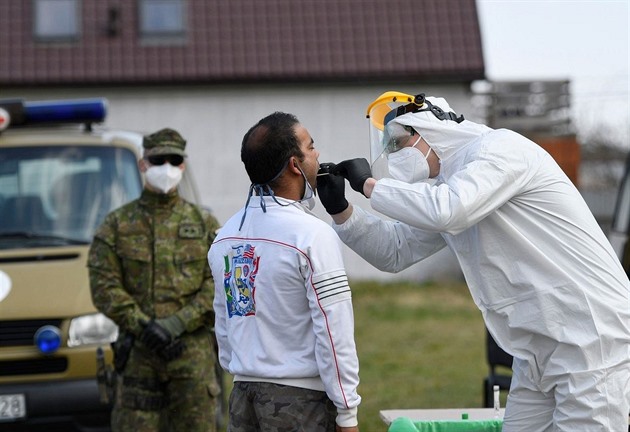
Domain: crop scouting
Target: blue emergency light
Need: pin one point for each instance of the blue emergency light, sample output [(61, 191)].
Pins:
[(22, 113), (47, 339)]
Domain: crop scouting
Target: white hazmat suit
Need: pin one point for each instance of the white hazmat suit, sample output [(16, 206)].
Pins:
[(549, 285)]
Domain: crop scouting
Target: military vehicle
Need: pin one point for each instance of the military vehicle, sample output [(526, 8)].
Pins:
[(61, 172)]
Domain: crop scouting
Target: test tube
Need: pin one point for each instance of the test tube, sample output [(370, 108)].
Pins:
[(497, 401)]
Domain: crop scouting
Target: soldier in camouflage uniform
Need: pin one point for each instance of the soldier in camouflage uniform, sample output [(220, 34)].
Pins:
[(149, 274)]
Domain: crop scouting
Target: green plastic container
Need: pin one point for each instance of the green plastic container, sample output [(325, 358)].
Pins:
[(404, 424)]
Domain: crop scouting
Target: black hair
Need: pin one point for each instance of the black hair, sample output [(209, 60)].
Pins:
[(268, 145)]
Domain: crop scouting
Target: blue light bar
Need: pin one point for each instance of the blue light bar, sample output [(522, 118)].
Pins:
[(66, 111), (87, 111)]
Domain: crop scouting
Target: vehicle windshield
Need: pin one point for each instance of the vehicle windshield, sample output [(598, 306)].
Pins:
[(58, 195)]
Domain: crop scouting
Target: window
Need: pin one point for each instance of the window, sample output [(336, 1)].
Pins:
[(56, 20), (621, 219), (162, 18), (62, 191)]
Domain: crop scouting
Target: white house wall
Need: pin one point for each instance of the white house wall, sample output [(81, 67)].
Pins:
[(214, 119)]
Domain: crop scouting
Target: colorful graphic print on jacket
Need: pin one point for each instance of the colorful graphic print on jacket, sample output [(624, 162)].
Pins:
[(239, 279)]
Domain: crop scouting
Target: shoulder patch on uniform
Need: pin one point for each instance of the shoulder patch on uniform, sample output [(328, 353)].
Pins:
[(190, 231)]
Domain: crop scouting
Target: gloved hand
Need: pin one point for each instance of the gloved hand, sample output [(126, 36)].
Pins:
[(155, 337), (173, 350), (331, 189), (357, 171), (172, 324)]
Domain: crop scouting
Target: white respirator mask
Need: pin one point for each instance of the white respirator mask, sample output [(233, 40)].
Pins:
[(164, 177), (409, 164), (308, 199)]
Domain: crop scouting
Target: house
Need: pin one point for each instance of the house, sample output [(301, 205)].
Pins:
[(213, 68)]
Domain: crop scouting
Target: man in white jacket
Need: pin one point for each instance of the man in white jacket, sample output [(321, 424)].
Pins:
[(284, 318), (550, 287)]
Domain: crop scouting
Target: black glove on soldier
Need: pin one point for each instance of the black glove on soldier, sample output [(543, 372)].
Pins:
[(331, 189), (357, 171), (155, 337), (173, 350)]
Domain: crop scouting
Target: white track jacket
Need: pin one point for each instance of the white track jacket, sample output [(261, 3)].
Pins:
[(538, 266), (283, 305)]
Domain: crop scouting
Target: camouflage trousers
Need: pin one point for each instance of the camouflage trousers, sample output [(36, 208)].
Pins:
[(268, 407), (154, 395)]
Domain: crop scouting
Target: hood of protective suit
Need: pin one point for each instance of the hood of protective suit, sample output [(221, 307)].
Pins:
[(446, 137)]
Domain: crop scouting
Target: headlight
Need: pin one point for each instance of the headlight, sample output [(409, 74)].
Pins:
[(92, 329)]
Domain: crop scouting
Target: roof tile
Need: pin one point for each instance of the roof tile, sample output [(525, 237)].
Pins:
[(253, 40)]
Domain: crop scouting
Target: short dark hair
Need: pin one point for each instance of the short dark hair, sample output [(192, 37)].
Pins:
[(268, 145)]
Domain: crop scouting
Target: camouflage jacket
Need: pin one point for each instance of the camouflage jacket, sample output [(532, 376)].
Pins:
[(148, 260)]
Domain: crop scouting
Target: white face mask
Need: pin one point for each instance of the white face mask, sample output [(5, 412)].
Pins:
[(308, 200), (409, 164), (163, 177)]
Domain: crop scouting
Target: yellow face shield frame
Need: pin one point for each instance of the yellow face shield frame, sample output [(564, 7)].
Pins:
[(378, 109)]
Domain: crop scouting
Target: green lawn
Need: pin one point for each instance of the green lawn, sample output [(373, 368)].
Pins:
[(421, 345)]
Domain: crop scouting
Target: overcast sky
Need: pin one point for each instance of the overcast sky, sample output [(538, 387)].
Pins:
[(584, 41)]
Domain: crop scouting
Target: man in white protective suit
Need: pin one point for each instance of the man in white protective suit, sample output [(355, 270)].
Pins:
[(549, 285)]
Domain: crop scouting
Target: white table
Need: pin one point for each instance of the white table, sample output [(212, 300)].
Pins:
[(388, 416)]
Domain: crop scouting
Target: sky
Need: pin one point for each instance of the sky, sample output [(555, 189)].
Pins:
[(586, 42)]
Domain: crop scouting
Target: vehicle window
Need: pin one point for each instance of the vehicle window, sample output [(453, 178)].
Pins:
[(53, 194), (622, 213), (186, 187)]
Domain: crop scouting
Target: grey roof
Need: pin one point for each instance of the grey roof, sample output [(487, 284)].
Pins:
[(253, 41)]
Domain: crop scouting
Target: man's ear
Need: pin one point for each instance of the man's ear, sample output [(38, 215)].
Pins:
[(142, 165), (293, 165)]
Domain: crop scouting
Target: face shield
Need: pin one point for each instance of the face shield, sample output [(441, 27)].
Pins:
[(385, 136)]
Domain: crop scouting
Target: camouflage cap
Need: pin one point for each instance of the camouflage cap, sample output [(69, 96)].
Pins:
[(164, 141)]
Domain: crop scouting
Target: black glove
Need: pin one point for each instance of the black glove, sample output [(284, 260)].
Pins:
[(357, 171), (155, 337), (331, 189), (173, 350)]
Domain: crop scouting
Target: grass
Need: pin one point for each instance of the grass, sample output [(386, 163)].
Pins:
[(420, 345)]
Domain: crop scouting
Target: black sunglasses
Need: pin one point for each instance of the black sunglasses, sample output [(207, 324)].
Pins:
[(173, 159)]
